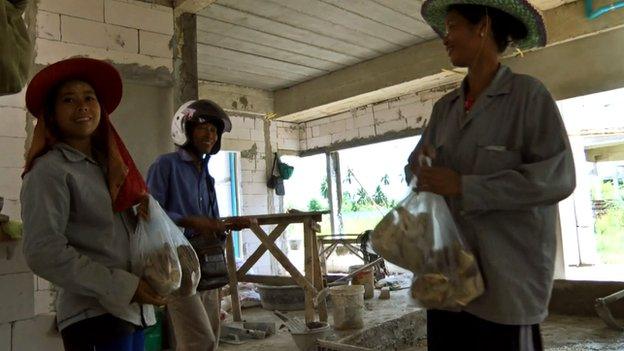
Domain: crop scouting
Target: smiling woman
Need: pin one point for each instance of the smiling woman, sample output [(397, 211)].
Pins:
[(79, 186)]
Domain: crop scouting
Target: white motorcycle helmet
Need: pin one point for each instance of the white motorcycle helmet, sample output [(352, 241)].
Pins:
[(199, 111)]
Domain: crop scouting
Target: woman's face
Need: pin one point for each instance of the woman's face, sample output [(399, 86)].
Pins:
[(463, 40), (76, 110), (204, 137)]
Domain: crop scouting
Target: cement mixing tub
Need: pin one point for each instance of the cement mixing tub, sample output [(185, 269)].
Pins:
[(282, 298)]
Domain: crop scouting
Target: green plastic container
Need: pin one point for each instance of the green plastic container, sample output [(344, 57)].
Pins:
[(153, 334)]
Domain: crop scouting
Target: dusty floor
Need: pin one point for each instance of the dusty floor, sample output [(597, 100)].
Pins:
[(561, 333)]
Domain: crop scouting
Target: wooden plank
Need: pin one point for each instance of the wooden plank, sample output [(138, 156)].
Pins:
[(409, 8), (290, 217), (260, 49), (190, 6), (208, 54), (353, 251), (319, 25), (231, 265), (329, 12), (253, 21), (308, 246), (248, 79), (382, 14), (319, 284), (283, 260), (326, 249), (268, 280), (277, 231), (251, 69), (236, 31)]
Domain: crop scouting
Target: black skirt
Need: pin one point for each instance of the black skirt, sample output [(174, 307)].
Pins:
[(448, 331)]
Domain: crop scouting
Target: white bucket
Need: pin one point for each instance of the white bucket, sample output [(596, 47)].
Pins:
[(348, 304)]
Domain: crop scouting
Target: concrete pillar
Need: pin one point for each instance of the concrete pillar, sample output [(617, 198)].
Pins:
[(334, 188), (185, 59)]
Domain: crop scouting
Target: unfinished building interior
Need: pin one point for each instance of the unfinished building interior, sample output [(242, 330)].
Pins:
[(342, 91)]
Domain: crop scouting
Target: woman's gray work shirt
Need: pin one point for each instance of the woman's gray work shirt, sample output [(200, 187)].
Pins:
[(514, 157), (73, 238)]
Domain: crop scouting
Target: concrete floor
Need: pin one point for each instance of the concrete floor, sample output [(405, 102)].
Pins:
[(560, 332)]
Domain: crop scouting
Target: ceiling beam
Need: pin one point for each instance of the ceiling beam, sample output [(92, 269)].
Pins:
[(413, 68), (191, 6)]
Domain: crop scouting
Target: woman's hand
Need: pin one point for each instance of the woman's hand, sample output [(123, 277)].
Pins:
[(144, 294), (439, 180), (415, 157)]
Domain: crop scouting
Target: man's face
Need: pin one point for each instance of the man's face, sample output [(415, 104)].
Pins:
[(204, 137)]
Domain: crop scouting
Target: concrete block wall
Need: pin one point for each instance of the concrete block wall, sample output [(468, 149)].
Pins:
[(408, 112), (122, 31)]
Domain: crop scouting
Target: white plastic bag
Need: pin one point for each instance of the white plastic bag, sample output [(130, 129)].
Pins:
[(163, 256), (420, 235)]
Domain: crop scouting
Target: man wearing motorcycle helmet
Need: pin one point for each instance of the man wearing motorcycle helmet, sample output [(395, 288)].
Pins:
[(181, 183)]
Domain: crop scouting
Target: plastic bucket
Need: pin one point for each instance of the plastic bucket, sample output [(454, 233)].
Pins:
[(348, 303), (307, 341), (366, 278)]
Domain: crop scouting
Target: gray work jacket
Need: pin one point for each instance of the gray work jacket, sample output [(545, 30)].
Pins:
[(514, 157), (73, 239)]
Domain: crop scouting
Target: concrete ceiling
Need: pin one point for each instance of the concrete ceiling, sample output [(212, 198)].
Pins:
[(273, 44)]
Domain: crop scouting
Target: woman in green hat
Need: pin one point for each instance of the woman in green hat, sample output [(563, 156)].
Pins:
[(502, 159)]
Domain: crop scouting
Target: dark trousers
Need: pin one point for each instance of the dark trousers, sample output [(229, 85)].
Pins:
[(103, 333), (449, 331)]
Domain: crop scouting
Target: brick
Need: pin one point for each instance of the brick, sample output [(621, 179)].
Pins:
[(17, 291), (97, 34), (48, 25), (50, 51), (44, 300), (255, 200), (13, 122), (392, 126), (239, 133), (363, 120), (37, 334), (12, 209), (134, 14), (257, 134), (338, 137), (316, 131), (248, 164), (243, 122), (236, 144), (366, 132), (15, 100), (13, 150), (89, 9), (303, 144), (17, 263), (5, 337), (253, 189), (290, 144), (384, 114), (42, 284), (10, 182), (155, 44), (333, 127)]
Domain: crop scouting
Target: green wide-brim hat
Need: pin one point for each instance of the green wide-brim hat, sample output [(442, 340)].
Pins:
[(434, 12)]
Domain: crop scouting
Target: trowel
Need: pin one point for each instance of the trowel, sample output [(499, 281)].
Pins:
[(602, 308)]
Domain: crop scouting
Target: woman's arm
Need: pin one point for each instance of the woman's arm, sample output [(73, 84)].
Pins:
[(45, 200)]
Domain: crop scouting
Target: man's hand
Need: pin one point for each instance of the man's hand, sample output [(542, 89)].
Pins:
[(239, 223), (144, 294), (439, 180), (203, 225)]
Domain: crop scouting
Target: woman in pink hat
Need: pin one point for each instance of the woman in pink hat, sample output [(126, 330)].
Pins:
[(80, 185)]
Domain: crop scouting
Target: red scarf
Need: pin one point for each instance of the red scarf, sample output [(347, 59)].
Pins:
[(125, 183)]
